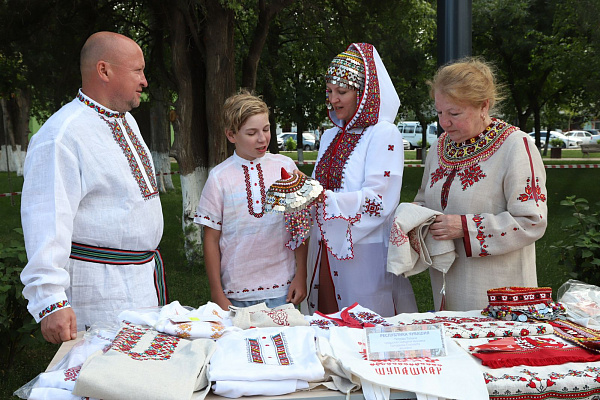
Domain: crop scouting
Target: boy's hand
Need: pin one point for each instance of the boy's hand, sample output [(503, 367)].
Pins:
[(222, 301), (297, 291)]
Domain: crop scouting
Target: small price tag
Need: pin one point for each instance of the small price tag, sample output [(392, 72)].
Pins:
[(407, 341)]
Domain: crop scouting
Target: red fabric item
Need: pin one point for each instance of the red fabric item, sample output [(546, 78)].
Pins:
[(536, 352), (346, 320)]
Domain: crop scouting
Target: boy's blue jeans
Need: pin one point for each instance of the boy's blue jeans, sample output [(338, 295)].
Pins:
[(271, 303)]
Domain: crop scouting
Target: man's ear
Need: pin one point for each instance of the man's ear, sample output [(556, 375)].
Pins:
[(230, 135), (102, 69)]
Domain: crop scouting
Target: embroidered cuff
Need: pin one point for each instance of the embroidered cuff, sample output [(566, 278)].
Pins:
[(52, 308)]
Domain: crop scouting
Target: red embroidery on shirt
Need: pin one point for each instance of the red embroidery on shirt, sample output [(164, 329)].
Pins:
[(390, 147), (263, 195), (386, 173)]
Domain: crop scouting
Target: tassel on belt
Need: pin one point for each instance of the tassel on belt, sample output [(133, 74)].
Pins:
[(104, 255)]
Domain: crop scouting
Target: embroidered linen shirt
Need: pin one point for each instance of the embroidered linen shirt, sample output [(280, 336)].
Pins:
[(497, 183), (255, 264), (89, 179)]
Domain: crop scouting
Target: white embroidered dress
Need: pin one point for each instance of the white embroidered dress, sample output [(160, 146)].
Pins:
[(89, 179), (497, 183), (361, 164), (255, 264)]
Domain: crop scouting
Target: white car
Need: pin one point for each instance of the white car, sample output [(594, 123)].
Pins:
[(568, 142), (585, 136), (308, 140), (413, 132)]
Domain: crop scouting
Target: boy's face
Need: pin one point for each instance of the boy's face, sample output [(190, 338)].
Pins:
[(252, 140)]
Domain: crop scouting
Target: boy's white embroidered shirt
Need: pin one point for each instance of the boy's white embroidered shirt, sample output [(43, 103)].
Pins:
[(255, 264)]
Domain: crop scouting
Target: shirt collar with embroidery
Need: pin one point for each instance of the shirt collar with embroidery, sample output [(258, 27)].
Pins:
[(100, 109)]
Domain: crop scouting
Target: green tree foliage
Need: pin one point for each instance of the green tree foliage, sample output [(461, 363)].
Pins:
[(543, 54), (16, 324), (580, 249)]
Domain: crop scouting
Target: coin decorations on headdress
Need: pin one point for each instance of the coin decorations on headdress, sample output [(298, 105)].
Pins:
[(347, 70), (293, 195)]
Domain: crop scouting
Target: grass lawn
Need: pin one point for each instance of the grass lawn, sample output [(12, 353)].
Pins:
[(188, 284)]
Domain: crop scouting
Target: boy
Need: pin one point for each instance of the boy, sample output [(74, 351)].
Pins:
[(244, 247)]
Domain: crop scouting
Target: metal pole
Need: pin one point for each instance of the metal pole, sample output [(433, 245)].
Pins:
[(454, 32)]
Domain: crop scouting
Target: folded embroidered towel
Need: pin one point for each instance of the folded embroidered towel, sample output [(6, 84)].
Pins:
[(411, 249), (145, 364), (260, 316), (267, 354)]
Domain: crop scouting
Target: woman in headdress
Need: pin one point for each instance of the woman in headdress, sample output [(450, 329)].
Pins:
[(360, 165)]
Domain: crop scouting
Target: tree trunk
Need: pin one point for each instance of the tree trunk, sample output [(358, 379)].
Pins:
[(189, 121), (15, 129), (266, 11), (160, 131)]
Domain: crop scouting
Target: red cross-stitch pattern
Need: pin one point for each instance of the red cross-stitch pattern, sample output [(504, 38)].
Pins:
[(373, 207), (397, 237), (470, 175)]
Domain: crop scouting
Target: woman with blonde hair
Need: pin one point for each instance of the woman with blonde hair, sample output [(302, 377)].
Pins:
[(488, 179)]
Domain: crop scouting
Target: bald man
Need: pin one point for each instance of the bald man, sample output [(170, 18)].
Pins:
[(90, 209)]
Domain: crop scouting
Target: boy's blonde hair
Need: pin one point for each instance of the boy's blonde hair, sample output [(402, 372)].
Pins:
[(469, 80), (241, 106)]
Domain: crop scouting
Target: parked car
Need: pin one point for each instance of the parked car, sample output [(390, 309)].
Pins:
[(413, 132), (568, 142), (595, 135), (585, 136), (406, 144), (308, 140)]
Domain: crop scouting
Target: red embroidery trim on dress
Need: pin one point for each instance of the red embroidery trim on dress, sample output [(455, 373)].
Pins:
[(373, 207), (531, 193), (474, 150), (368, 109), (446, 188), (470, 175), (351, 221), (263, 193), (330, 169), (478, 219), (463, 158), (438, 174)]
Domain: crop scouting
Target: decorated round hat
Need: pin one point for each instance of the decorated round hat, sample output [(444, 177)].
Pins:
[(292, 193)]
